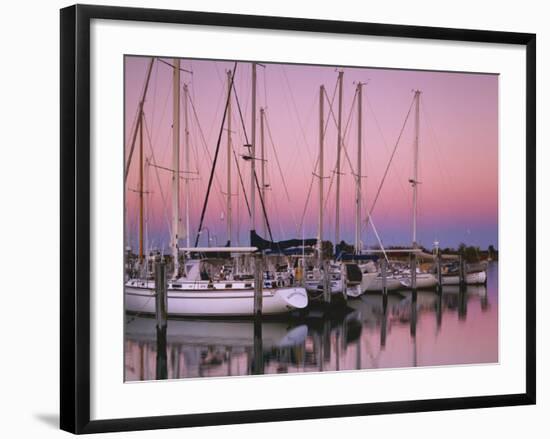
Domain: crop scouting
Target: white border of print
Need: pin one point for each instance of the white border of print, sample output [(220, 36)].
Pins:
[(112, 398)]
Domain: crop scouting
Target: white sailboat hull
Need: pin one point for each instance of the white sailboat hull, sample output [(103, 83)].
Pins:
[(368, 280), (212, 302), (477, 278), (423, 281), (316, 286), (392, 284)]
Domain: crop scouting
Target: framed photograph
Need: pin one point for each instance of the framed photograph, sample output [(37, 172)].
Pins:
[(273, 218)]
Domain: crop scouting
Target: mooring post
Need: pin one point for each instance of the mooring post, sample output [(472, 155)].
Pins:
[(258, 285), (344, 277), (383, 269), (326, 282), (413, 273), (439, 273), (161, 299), (461, 271)]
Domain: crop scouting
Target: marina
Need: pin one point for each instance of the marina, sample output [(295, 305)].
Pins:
[(450, 328), (222, 275)]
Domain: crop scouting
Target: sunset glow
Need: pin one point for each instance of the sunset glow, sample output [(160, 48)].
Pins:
[(458, 159)]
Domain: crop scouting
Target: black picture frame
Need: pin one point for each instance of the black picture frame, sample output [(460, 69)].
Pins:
[(75, 217)]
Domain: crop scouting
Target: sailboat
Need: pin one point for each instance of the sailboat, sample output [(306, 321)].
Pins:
[(474, 276), (196, 289), (424, 280)]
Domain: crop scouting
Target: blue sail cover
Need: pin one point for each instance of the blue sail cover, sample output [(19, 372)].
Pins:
[(290, 245)]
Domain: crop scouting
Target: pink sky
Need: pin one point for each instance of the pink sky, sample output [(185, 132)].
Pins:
[(458, 165)]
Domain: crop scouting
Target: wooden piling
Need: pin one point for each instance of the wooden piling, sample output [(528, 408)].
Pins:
[(258, 284), (439, 273), (413, 273), (326, 282), (344, 277), (383, 270), (161, 299), (462, 271)]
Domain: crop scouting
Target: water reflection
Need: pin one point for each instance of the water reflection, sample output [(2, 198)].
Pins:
[(458, 326)]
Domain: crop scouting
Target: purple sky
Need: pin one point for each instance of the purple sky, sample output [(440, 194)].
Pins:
[(458, 164)]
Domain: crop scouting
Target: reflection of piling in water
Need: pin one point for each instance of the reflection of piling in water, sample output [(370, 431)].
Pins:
[(462, 303), (439, 309), (162, 363), (484, 301), (413, 315), (384, 325), (258, 355), (326, 340), (413, 328)]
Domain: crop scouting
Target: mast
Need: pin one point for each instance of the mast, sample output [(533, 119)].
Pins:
[(134, 136), (186, 166), (141, 104), (176, 164), (141, 188), (414, 180), (359, 177), (262, 164), (321, 169), (253, 153), (229, 212), (339, 148)]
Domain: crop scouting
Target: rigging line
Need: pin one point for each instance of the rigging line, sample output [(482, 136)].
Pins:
[(154, 103), (171, 65), (287, 82), (265, 87), (294, 109), (344, 147), (279, 166), (136, 116), (378, 238), (155, 136), (308, 196), (384, 142), (449, 177), (253, 158), (205, 145), (343, 143), (141, 103), (263, 207), (215, 158), (317, 164), (279, 222), (241, 180), (154, 163), (391, 158), (192, 130)]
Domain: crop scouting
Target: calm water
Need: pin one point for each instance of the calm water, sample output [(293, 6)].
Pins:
[(453, 328)]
